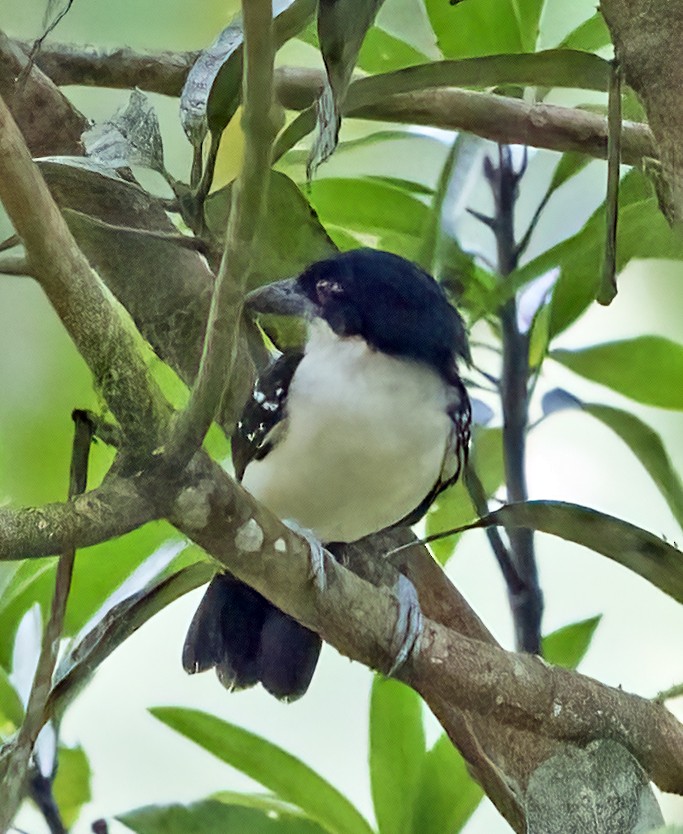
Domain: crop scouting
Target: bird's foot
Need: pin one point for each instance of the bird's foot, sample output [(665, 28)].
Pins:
[(408, 623), (317, 552)]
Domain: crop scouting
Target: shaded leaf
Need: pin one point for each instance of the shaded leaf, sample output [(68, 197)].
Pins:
[(567, 68), (647, 446), (559, 400), (567, 645), (11, 708), (484, 27), (273, 767), (448, 796), (211, 816), (342, 25), (590, 35), (212, 90), (397, 748), (648, 369), (71, 787), (630, 546), (131, 137)]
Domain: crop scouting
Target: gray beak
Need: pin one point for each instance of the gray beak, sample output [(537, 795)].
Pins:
[(282, 298)]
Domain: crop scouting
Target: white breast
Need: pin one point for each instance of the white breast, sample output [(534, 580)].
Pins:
[(365, 440)]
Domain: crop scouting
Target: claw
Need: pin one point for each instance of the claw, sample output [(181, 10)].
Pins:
[(317, 552), (408, 623)]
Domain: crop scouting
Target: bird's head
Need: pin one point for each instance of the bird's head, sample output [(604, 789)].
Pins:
[(391, 303)]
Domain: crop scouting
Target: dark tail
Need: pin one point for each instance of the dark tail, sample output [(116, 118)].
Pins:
[(248, 640)]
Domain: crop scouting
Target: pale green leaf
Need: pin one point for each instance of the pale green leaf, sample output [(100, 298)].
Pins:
[(279, 771), (210, 816), (567, 645), (448, 796), (397, 747), (71, 787), (590, 35), (648, 369), (647, 446)]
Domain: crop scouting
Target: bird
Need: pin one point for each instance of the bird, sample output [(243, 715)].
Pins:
[(356, 433)]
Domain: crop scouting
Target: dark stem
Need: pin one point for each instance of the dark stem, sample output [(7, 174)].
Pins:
[(525, 595), (40, 791)]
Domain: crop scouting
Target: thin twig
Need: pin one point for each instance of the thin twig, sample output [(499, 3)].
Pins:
[(36, 713), (10, 243), (525, 594), (608, 283), (248, 206), (14, 265), (669, 694)]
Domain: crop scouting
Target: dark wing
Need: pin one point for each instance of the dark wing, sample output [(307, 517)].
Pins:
[(263, 417), (457, 448)]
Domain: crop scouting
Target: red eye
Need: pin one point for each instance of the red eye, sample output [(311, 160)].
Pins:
[(327, 288)]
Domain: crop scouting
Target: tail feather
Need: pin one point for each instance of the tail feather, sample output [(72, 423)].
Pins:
[(248, 640)]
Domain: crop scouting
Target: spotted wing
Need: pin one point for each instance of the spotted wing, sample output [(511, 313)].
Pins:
[(263, 419)]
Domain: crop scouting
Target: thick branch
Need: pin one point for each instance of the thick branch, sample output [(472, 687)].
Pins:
[(449, 667), (493, 117), (99, 327), (117, 507)]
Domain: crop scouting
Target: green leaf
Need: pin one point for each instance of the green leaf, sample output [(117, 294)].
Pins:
[(397, 747), (647, 446), (630, 546), (454, 506), (71, 787), (567, 645), (568, 68), (448, 796), (642, 233), (648, 369), (570, 164), (292, 236), (210, 816), (382, 52), (590, 35), (484, 27), (342, 27), (273, 767), (11, 708), (371, 207)]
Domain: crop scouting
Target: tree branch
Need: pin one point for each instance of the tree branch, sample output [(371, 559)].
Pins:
[(100, 328), (493, 117), (248, 206)]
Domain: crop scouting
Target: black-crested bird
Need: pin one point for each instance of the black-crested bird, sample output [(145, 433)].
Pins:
[(358, 433)]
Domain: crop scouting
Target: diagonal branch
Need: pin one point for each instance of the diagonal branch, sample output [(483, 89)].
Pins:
[(98, 325), (493, 117)]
